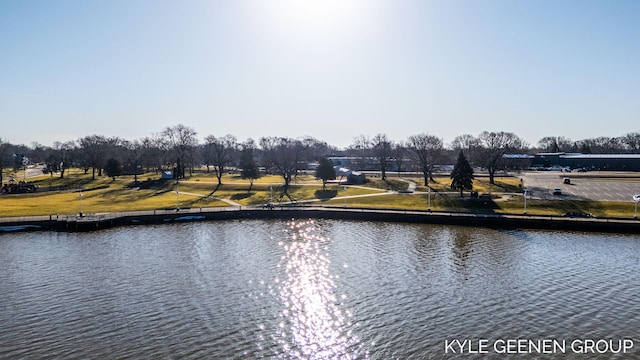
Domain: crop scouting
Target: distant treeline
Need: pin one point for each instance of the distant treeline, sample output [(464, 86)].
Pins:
[(177, 148)]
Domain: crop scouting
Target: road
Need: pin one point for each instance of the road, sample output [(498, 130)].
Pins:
[(600, 186)]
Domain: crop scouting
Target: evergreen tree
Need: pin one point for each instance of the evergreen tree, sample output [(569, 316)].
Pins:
[(462, 175), (248, 167), (113, 168), (325, 171)]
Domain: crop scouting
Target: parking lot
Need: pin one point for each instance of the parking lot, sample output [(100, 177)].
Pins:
[(596, 185)]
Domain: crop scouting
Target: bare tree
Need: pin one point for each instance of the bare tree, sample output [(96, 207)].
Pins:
[(222, 151), (38, 152), (467, 143), (603, 145), (316, 149), (382, 149), (158, 152), (64, 153), (4, 146), (360, 149), (631, 141), (398, 153), (494, 146), (464, 142), (283, 156), (182, 141), (426, 150), (135, 155), (94, 149), (554, 144)]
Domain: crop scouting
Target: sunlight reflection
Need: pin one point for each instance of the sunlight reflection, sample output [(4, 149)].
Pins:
[(312, 323)]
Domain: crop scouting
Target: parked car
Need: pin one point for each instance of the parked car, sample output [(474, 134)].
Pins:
[(557, 191), (566, 180)]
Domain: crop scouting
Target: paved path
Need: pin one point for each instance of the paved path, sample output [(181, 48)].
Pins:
[(230, 202), (412, 185)]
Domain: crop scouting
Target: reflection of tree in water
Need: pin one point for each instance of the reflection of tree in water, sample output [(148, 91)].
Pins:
[(461, 249)]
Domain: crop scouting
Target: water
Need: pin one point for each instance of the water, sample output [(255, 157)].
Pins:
[(313, 289)]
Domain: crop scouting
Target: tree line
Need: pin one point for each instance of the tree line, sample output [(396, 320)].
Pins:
[(177, 148)]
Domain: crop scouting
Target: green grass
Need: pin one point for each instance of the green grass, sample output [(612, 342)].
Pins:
[(388, 184), (201, 190), (100, 195), (480, 184), (261, 193)]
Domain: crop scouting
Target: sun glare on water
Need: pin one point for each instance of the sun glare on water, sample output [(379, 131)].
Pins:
[(314, 322)]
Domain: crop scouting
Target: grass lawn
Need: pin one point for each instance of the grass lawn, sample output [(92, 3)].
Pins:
[(62, 196), (480, 184), (100, 195)]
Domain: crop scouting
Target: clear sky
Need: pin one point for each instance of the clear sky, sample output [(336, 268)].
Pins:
[(331, 69)]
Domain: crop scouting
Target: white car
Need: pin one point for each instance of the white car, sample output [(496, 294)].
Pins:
[(557, 191), (636, 197)]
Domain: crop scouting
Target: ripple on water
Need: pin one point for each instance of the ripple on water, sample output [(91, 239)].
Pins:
[(308, 289)]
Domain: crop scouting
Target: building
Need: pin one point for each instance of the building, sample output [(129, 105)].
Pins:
[(608, 162), (356, 162), (369, 163), (167, 175), (352, 177)]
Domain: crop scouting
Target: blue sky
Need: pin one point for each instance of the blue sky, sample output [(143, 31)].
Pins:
[(329, 69)]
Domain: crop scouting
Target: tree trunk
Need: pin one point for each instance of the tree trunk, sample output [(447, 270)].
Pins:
[(287, 180), (219, 171), (492, 172)]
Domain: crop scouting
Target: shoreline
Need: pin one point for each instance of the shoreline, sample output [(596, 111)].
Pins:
[(93, 222)]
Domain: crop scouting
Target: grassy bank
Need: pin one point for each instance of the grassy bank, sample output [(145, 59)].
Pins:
[(63, 196)]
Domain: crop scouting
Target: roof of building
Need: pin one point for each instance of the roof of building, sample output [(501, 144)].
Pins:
[(589, 156), (601, 156), (517, 156)]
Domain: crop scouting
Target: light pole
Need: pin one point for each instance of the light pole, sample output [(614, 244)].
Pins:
[(636, 200), (429, 200), (524, 194), (177, 195), (80, 202)]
